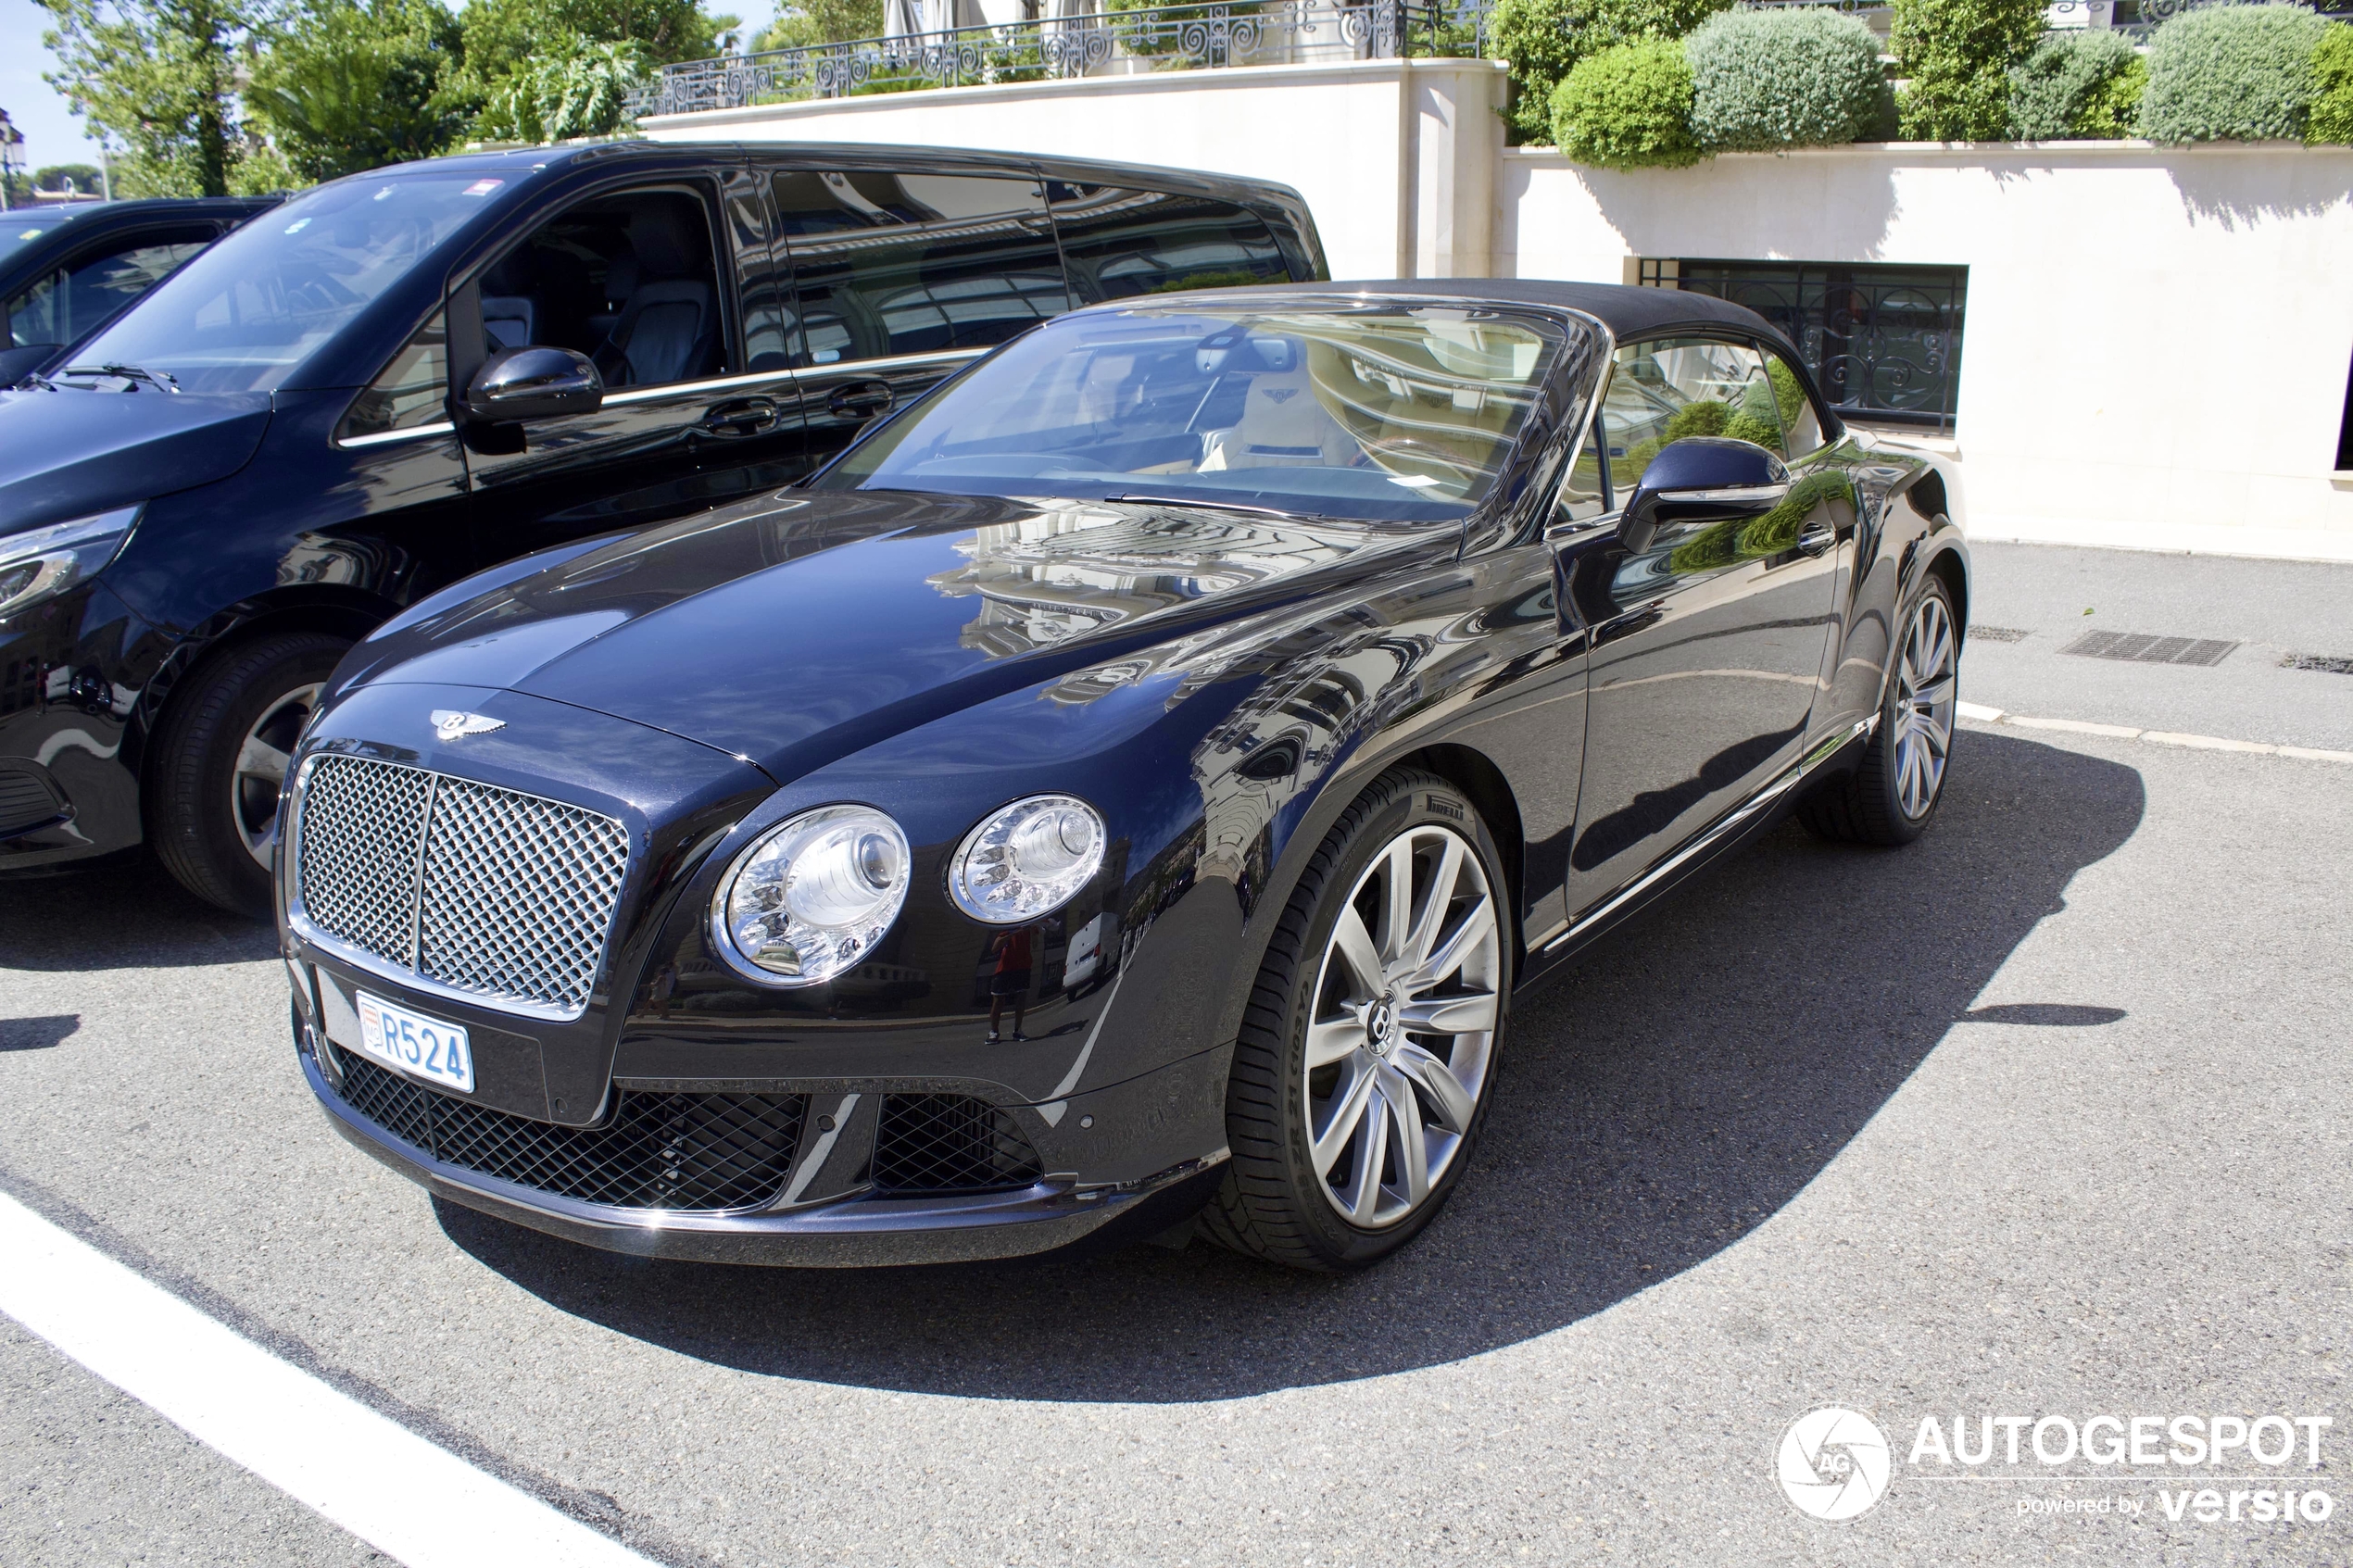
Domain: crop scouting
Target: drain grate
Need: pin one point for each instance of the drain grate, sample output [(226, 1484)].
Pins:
[(2143, 648), (1998, 634), (2327, 664)]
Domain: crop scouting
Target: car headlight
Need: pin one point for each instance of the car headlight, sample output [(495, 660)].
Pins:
[(44, 562), (813, 895), (1027, 860)]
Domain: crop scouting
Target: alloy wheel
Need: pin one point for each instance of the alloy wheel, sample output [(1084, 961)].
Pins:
[(1402, 1033), (262, 760), (1925, 688)]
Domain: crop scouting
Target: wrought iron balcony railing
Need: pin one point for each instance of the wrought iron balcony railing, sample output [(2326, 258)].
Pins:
[(1112, 41)]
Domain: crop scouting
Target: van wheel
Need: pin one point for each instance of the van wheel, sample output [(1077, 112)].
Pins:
[(1369, 1046), (220, 761)]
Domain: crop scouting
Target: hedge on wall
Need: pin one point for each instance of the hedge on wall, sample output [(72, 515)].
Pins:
[(1628, 107), (2332, 119), (1788, 78), (1958, 55), (2083, 85), (2232, 73), (1542, 41)]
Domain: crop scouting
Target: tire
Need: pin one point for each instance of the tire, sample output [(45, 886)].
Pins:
[(1415, 1089), (211, 811), (1892, 794)]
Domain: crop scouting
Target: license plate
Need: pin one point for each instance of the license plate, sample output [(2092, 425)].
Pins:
[(412, 1042)]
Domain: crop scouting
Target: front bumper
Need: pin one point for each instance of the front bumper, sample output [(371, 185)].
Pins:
[(1059, 1210)]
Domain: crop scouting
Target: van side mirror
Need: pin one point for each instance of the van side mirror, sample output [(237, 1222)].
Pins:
[(1707, 477), (534, 383)]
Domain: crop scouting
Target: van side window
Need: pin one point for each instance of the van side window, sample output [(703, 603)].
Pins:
[(1120, 243), (888, 264), (412, 391), (71, 301), (628, 280)]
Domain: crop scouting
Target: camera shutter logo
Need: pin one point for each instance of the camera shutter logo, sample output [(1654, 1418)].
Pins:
[(1833, 1463)]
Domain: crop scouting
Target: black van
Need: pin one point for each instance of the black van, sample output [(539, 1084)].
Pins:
[(408, 376)]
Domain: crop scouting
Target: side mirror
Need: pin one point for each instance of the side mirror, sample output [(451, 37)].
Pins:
[(1708, 477), (534, 383)]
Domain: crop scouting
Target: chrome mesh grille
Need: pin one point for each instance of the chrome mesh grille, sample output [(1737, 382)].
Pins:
[(517, 891), (358, 856)]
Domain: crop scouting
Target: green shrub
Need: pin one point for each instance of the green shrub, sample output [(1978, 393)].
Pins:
[(1705, 416), (2332, 118), (1790, 78), (2077, 86), (1628, 108), (1958, 55), (2232, 73), (1542, 41)]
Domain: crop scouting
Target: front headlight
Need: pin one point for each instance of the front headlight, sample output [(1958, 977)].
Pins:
[(1027, 860), (813, 895), (46, 562)]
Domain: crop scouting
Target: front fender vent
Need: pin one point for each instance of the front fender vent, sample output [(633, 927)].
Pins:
[(938, 1143), (681, 1153)]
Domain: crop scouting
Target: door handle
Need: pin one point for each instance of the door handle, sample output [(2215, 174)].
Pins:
[(861, 399), (1816, 539), (740, 416)]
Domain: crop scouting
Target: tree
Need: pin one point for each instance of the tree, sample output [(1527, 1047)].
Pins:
[(813, 22), (580, 90), (158, 79), (502, 35), (84, 177), (347, 87)]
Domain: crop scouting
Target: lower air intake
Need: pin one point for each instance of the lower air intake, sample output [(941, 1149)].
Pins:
[(931, 1144), (678, 1152)]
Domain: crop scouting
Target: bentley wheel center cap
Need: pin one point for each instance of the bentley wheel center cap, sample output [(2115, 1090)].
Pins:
[(1380, 1023)]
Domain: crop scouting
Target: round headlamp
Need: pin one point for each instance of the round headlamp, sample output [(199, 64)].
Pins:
[(1029, 860), (813, 895)]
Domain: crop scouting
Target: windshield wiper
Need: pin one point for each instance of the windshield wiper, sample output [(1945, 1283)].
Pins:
[(1207, 506), (160, 379)]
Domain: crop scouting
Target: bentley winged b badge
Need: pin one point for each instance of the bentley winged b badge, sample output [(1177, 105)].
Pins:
[(451, 724)]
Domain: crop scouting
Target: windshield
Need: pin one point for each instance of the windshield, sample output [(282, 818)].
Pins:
[(16, 228), (241, 317), (1390, 412)]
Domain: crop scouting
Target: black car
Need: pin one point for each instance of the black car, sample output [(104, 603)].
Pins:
[(403, 378), (65, 271), (1344, 657)]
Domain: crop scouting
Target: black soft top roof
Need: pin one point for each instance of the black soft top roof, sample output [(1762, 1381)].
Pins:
[(1626, 311)]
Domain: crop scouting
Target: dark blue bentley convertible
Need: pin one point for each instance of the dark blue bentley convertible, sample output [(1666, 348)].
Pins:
[(1126, 789)]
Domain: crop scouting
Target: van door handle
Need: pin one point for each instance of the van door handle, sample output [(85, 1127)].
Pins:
[(1816, 539), (861, 399), (740, 416)]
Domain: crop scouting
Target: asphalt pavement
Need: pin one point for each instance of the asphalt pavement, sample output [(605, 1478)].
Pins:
[(2044, 1114)]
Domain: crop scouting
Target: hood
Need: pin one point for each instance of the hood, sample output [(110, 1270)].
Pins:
[(69, 453), (803, 627)]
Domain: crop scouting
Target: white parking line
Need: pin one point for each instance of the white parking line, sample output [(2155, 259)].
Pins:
[(1985, 715), (402, 1495)]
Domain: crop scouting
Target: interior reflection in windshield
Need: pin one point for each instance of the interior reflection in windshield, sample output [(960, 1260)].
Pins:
[(241, 317), (1390, 412)]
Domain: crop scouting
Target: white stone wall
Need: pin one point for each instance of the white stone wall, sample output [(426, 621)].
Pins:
[(2157, 339)]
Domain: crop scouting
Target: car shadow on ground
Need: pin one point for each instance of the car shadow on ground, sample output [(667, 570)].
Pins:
[(1680, 1084), (122, 916)]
